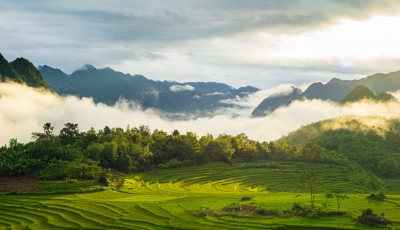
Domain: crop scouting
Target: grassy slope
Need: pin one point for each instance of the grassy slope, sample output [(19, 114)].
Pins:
[(161, 200)]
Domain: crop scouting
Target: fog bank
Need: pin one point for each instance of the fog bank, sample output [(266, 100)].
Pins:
[(24, 110)]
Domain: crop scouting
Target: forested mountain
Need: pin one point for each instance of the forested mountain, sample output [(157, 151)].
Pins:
[(362, 92), (372, 142), (336, 90), (21, 71), (275, 101), (108, 86)]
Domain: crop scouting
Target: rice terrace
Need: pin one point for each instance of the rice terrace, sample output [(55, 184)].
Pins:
[(197, 197)]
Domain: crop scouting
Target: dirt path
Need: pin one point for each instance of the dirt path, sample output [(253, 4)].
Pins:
[(19, 184)]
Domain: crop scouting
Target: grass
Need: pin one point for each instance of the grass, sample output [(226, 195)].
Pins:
[(193, 198)]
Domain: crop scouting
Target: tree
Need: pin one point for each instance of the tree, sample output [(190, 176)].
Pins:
[(69, 133), (339, 195), (46, 137), (48, 129), (309, 180)]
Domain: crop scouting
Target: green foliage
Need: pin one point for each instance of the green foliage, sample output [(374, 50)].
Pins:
[(379, 196), (80, 155), (257, 165), (350, 137), (301, 209), (268, 212), (309, 180), (339, 195), (369, 218), (28, 73)]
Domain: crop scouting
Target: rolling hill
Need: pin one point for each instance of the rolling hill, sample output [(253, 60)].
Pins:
[(372, 142)]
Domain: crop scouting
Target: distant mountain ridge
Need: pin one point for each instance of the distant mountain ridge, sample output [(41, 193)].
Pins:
[(335, 90), (21, 71), (276, 100), (362, 92), (108, 86)]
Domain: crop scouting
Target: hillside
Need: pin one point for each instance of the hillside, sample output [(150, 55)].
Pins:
[(372, 142), (362, 92), (21, 71), (275, 101), (108, 86), (336, 90)]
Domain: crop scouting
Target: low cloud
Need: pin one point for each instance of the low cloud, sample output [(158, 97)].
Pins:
[(253, 100), (177, 88), (24, 110), (216, 93)]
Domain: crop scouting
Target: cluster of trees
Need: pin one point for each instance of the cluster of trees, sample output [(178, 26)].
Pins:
[(375, 149), (75, 154)]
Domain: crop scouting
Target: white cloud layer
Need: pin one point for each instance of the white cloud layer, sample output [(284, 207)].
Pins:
[(177, 88), (24, 110)]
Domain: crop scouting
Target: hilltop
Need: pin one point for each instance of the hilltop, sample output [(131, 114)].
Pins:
[(362, 92), (21, 71)]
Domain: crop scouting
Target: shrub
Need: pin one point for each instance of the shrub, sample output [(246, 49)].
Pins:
[(313, 215), (379, 196), (301, 209), (369, 218), (268, 212)]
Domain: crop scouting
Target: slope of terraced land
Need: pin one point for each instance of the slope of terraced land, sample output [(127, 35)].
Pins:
[(165, 199)]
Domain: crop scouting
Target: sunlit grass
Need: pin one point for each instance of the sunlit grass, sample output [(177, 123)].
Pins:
[(168, 199)]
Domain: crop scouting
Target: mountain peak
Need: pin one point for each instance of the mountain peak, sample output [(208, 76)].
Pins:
[(88, 67), (363, 92)]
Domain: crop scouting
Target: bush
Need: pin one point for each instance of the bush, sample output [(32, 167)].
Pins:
[(331, 213), (268, 212), (313, 215), (369, 218), (379, 196), (301, 209)]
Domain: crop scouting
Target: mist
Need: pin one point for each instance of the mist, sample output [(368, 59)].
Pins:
[(24, 110)]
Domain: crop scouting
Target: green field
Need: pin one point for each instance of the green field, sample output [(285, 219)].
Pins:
[(193, 198)]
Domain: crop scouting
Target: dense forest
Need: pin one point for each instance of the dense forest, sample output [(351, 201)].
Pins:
[(372, 142), (85, 155)]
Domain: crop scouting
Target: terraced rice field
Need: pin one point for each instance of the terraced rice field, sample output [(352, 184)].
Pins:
[(170, 199)]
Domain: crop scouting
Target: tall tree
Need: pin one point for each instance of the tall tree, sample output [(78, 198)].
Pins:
[(309, 180), (69, 133), (339, 195)]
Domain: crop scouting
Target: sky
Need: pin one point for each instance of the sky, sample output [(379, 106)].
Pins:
[(259, 43)]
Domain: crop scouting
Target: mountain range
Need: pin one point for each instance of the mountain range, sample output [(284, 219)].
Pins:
[(335, 90), (108, 86), (190, 99)]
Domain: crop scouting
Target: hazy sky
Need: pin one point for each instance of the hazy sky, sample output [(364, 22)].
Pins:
[(260, 43)]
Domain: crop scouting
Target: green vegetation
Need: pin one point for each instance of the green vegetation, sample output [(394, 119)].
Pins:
[(362, 92), (21, 71), (199, 197), (85, 155), (371, 142)]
